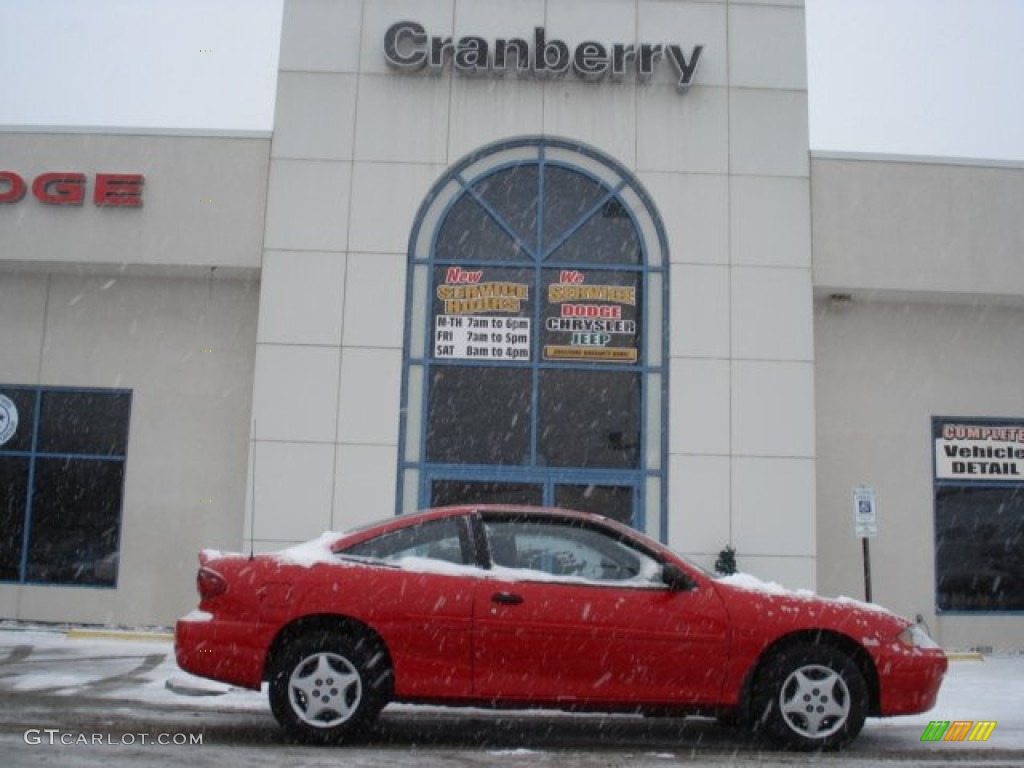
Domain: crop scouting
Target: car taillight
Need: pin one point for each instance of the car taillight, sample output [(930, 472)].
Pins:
[(210, 583)]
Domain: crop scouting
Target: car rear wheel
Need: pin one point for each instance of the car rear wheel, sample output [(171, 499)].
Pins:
[(810, 697), (326, 688)]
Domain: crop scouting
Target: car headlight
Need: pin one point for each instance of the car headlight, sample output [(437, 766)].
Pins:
[(916, 637)]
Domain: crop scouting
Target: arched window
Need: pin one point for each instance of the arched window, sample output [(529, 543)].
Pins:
[(535, 340)]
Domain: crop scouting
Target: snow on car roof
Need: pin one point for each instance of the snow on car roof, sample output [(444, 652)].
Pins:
[(309, 553)]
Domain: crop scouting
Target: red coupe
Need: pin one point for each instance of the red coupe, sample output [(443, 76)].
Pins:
[(524, 607)]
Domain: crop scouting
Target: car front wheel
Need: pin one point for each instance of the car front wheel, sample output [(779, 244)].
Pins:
[(811, 697), (327, 688)]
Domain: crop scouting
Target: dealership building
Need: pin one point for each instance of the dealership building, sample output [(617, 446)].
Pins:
[(552, 252)]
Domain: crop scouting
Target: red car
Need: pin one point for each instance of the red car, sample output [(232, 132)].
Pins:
[(524, 607)]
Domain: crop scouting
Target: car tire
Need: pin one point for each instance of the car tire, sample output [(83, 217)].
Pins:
[(328, 688), (810, 697)]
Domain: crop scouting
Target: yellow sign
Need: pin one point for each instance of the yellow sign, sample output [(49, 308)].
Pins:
[(604, 354)]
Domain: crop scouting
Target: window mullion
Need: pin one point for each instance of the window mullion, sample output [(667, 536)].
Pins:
[(500, 221), (30, 491), (538, 332)]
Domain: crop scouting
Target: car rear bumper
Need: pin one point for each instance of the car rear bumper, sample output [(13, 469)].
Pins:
[(910, 681), (228, 651)]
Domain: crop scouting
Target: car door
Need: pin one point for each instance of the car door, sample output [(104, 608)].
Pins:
[(418, 600), (572, 613)]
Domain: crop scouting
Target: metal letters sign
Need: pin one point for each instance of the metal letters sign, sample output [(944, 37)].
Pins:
[(408, 47), (119, 190)]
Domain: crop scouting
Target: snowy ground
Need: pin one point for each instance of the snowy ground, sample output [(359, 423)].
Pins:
[(133, 678)]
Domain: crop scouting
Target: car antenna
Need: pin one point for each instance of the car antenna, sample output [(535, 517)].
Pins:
[(252, 499)]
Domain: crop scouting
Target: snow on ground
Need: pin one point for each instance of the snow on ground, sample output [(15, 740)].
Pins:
[(129, 669), (134, 669)]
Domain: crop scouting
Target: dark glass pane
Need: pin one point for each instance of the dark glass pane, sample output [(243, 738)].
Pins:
[(591, 315), (575, 551), (512, 193), (478, 415), (469, 233), (614, 501), (979, 546), (17, 413), (447, 492), (76, 522), (567, 196), (589, 418), (608, 237), (84, 422), (436, 540), (13, 497)]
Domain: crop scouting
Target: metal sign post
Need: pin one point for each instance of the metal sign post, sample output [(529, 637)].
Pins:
[(865, 523)]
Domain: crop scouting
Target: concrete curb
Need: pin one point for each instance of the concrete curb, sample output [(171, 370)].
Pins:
[(114, 634)]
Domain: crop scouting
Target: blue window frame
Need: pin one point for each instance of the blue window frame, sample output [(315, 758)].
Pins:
[(536, 337), (62, 463)]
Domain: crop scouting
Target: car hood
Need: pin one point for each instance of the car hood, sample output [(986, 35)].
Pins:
[(769, 606)]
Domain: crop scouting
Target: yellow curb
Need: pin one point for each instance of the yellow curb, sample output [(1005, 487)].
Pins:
[(110, 634), (966, 656)]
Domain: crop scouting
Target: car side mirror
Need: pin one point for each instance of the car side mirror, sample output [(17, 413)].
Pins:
[(676, 579)]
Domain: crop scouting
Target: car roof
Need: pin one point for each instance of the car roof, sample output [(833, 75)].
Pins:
[(387, 525)]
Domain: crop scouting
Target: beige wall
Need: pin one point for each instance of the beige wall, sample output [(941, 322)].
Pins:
[(917, 226), (930, 256), (726, 164), (161, 300), (884, 370), (189, 420), (203, 200)]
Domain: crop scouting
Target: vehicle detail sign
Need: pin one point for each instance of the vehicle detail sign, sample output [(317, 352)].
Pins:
[(979, 450)]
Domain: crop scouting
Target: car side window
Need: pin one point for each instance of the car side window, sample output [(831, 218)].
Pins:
[(571, 551), (435, 540)]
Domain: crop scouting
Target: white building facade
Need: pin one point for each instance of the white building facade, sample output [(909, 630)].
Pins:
[(547, 252)]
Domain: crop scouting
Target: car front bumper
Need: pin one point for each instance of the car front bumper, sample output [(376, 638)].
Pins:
[(909, 681)]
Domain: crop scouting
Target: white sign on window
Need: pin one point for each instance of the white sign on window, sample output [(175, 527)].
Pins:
[(471, 337), (990, 452)]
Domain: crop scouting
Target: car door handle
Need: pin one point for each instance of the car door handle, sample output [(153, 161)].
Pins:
[(507, 598)]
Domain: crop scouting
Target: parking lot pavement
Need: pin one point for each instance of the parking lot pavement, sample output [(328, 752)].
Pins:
[(52, 678)]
